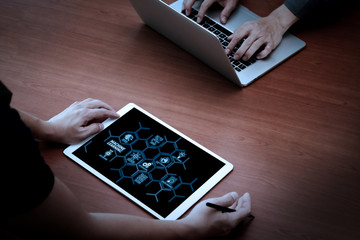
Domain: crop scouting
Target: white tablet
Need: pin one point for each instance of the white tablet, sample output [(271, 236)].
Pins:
[(151, 163)]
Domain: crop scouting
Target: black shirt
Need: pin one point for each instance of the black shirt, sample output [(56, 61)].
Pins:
[(302, 8), (25, 179)]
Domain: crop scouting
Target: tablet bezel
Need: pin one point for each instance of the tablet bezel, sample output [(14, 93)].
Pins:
[(184, 206)]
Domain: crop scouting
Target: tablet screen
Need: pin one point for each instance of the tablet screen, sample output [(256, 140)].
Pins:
[(157, 166)]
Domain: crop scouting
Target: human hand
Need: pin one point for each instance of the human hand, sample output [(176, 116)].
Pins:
[(263, 34), (228, 5), (209, 222), (79, 121)]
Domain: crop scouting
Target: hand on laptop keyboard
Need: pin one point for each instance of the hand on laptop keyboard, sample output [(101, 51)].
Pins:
[(223, 35), (228, 5), (262, 35)]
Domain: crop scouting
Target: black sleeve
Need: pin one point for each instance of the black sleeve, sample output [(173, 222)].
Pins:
[(26, 180), (301, 8)]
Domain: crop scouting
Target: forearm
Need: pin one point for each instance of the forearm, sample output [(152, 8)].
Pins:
[(77, 122), (61, 216), (111, 226), (40, 129), (284, 17)]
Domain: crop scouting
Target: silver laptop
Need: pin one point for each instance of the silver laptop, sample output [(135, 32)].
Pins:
[(206, 40)]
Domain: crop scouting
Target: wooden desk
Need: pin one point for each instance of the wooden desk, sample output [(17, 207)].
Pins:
[(293, 135)]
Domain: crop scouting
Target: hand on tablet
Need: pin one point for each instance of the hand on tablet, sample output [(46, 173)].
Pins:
[(209, 222), (79, 121)]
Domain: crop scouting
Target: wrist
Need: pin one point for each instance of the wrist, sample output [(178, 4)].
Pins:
[(284, 17), (40, 129), (190, 230), (48, 132)]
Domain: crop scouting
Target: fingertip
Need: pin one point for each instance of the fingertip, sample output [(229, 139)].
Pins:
[(227, 199), (225, 14), (264, 53), (231, 198), (109, 114), (246, 195), (95, 128), (247, 201), (234, 195), (186, 11), (260, 55), (91, 129)]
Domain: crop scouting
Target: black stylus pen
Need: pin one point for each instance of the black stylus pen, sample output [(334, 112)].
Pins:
[(220, 208), (225, 209)]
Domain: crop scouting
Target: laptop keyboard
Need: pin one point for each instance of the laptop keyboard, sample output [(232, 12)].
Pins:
[(222, 34)]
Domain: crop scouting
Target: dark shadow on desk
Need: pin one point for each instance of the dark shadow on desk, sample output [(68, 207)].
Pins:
[(330, 12)]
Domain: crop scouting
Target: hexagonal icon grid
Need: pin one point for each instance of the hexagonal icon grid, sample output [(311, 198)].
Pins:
[(150, 165)]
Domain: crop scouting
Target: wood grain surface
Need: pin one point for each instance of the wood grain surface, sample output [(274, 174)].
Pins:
[(293, 135)]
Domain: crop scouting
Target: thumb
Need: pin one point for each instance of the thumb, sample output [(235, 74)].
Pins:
[(227, 200), (226, 12), (91, 129)]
